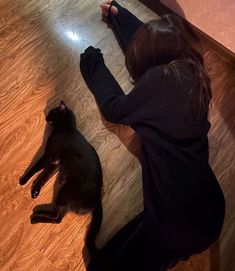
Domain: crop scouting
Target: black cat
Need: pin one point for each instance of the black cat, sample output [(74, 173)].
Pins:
[(79, 182)]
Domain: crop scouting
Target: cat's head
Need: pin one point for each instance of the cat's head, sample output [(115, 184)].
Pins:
[(61, 116)]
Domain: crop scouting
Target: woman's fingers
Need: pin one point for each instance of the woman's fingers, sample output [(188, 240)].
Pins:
[(105, 6), (105, 9), (107, 2), (114, 10)]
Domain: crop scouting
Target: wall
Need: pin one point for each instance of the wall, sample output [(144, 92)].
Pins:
[(214, 17)]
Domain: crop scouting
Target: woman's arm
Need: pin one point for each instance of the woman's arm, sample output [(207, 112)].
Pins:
[(124, 24), (113, 103)]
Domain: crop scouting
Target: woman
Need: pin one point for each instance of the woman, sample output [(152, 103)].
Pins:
[(183, 203)]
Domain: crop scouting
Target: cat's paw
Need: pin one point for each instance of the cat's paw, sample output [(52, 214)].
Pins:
[(22, 180), (34, 219), (35, 192), (39, 212)]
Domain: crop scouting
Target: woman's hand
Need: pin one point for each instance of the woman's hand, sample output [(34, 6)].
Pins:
[(91, 58), (89, 61), (105, 6)]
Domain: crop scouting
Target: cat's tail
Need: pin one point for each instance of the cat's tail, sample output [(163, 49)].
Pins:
[(94, 227)]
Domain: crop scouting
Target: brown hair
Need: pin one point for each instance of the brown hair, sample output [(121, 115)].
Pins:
[(168, 42)]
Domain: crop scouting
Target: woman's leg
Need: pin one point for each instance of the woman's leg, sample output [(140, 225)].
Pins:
[(124, 25), (137, 246), (107, 254)]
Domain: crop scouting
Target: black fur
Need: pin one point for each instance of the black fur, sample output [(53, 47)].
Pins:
[(79, 182)]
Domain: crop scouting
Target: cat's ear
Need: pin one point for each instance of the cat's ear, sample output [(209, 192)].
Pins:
[(62, 106)]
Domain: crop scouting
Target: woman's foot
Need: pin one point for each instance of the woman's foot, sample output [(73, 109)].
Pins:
[(105, 6)]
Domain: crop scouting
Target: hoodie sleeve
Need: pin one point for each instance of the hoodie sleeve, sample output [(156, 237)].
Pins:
[(124, 25), (114, 104)]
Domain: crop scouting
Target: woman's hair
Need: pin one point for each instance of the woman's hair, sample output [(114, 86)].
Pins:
[(168, 42)]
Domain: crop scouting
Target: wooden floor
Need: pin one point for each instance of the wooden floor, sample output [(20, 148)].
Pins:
[(40, 44)]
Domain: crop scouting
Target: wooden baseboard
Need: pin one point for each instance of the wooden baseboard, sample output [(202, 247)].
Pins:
[(224, 52)]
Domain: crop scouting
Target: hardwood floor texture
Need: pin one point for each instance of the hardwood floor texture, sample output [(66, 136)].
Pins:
[(40, 45)]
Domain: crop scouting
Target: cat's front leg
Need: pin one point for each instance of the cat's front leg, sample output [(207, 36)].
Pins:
[(43, 177), (34, 169)]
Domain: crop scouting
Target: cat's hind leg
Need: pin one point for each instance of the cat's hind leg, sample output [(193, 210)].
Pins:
[(43, 177), (47, 214), (54, 213)]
